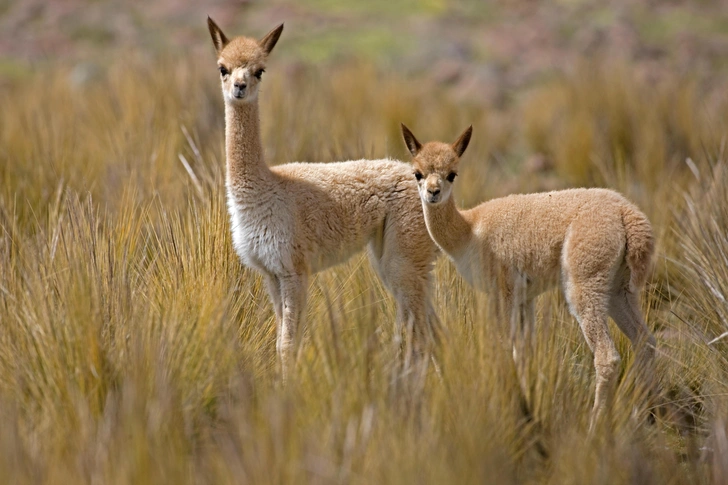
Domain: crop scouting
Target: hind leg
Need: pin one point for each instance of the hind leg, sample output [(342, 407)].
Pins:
[(587, 293), (590, 261), (625, 311), (416, 317), (411, 317), (590, 310), (403, 258)]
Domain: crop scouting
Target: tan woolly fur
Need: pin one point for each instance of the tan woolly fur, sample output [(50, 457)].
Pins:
[(597, 243), (292, 220)]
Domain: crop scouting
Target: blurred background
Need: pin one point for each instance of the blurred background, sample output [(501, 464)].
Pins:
[(555, 88), (486, 51), (134, 348)]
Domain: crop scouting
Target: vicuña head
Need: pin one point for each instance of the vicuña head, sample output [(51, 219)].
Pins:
[(241, 61), (436, 164)]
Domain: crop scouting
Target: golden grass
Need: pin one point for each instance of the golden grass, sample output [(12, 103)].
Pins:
[(134, 348)]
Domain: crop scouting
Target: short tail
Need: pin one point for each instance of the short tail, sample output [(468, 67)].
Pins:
[(640, 245)]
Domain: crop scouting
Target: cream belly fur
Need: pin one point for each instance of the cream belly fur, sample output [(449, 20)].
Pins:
[(594, 240), (292, 220)]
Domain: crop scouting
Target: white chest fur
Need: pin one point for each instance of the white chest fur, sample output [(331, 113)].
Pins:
[(469, 264), (261, 231)]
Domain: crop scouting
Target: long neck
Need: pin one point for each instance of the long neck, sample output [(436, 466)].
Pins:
[(243, 148), (447, 227)]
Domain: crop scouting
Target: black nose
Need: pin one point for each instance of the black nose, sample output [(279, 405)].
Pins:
[(434, 192), (240, 86)]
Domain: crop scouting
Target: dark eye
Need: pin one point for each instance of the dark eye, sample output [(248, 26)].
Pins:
[(451, 176), (223, 71), (418, 175), (259, 73)]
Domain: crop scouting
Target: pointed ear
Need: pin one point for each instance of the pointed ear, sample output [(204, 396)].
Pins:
[(218, 38), (413, 145), (462, 143), (268, 42)]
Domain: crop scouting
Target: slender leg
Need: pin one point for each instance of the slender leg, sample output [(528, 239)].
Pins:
[(273, 285), (522, 316), (411, 314), (590, 263), (606, 363), (624, 309), (438, 333), (520, 311), (403, 261), (293, 297), (590, 309)]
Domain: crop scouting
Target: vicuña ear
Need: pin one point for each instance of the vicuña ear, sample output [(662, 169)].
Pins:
[(413, 145), (462, 143), (268, 42), (218, 38)]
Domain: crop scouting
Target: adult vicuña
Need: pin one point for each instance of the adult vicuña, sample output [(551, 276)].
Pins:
[(292, 220), (595, 240)]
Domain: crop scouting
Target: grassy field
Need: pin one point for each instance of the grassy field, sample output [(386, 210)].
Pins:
[(134, 347)]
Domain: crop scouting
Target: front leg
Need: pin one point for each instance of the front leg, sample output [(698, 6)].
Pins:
[(520, 310), (517, 306), (293, 289), (273, 285)]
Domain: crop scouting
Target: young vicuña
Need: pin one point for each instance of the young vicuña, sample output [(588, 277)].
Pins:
[(597, 242), (292, 220)]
